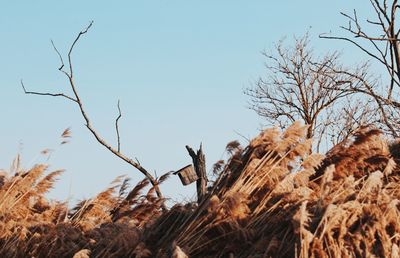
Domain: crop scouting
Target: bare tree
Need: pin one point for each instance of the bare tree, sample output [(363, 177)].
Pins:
[(75, 98), (379, 39), (347, 119), (302, 86)]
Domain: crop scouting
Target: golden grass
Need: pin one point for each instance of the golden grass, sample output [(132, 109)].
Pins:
[(273, 198)]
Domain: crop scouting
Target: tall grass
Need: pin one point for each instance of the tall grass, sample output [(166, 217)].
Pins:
[(273, 198)]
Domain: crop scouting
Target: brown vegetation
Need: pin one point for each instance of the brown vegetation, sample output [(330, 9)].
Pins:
[(273, 198)]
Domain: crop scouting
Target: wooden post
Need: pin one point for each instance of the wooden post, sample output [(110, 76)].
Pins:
[(199, 163)]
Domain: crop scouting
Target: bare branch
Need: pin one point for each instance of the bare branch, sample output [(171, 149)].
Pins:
[(47, 94), (59, 56), (117, 127), (73, 45), (78, 101), (324, 36)]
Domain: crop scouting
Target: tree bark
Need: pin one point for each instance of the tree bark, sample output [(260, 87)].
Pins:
[(199, 162)]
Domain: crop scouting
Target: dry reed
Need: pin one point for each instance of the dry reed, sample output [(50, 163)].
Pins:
[(273, 198)]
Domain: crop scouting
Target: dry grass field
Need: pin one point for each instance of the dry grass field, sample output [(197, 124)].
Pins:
[(273, 198)]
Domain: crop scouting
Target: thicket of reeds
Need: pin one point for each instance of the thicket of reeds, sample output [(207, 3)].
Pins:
[(273, 198)]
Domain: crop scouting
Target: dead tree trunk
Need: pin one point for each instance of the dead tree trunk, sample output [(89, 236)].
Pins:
[(199, 162)]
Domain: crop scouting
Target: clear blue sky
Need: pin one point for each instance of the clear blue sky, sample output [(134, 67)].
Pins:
[(178, 67)]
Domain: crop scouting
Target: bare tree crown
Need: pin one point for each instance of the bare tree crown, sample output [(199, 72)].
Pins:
[(299, 85)]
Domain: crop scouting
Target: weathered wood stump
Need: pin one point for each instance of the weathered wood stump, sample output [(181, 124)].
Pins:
[(199, 163)]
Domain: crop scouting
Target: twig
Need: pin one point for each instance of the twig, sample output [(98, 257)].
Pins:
[(117, 127), (73, 45), (59, 55), (47, 94)]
